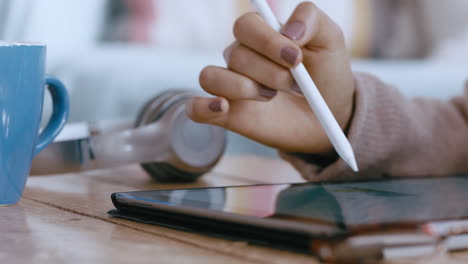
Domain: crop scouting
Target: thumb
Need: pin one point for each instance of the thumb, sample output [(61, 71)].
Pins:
[(310, 27)]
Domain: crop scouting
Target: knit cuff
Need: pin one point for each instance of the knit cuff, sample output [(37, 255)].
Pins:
[(375, 127)]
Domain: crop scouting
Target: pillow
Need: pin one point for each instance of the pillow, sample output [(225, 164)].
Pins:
[(129, 21)]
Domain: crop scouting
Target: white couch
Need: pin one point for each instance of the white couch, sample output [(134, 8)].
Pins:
[(112, 82)]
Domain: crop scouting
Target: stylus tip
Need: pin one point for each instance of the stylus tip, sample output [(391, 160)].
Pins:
[(354, 166), (350, 159)]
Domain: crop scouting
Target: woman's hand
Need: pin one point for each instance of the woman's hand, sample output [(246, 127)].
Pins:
[(256, 96)]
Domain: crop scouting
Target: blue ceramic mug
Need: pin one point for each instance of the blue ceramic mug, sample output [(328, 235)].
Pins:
[(22, 83)]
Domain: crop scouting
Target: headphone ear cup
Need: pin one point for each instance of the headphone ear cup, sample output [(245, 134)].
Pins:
[(156, 107), (153, 111), (165, 172)]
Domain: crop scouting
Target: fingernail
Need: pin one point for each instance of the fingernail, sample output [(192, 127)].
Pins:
[(215, 106), (290, 55), (296, 89), (294, 30), (267, 92)]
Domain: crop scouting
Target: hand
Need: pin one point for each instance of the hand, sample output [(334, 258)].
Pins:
[(257, 96)]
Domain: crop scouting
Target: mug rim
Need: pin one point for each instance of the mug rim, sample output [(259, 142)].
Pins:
[(18, 44)]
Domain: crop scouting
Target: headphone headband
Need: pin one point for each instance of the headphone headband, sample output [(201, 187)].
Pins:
[(169, 146)]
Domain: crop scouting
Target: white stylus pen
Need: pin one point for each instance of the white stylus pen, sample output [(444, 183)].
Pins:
[(313, 96)]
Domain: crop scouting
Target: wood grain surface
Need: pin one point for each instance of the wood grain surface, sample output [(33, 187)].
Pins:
[(63, 219)]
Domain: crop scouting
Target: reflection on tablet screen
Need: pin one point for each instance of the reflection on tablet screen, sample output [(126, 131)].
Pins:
[(343, 204)]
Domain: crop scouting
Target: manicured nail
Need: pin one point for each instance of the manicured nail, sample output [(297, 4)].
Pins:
[(267, 92), (294, 30), (215, 106), (296, 89), (290, 55)]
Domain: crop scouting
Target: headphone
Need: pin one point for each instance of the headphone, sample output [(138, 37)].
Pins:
[(167, 144)]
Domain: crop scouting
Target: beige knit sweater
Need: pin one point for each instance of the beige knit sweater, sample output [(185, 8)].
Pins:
[(397, 136)]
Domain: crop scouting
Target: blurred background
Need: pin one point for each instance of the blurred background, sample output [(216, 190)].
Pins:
[(113, 55)]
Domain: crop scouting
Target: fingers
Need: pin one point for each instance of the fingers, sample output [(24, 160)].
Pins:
[(308, 27), (207, 110), (249, 63), (253, 32), (233, 86), (311, 27)]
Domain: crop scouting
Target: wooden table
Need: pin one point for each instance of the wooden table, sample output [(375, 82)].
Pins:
[(63, 219)]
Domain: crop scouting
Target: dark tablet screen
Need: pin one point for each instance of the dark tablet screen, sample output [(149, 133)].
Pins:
[(341, 204)]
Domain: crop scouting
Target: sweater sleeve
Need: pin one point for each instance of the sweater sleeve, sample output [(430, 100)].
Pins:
[(397, 136)]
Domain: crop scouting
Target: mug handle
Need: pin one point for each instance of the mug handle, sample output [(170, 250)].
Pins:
[(59, 116)]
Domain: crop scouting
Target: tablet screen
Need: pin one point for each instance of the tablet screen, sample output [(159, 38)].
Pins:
[(342, 204)]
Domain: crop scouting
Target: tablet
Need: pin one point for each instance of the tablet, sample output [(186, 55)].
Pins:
[(294, 214)]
